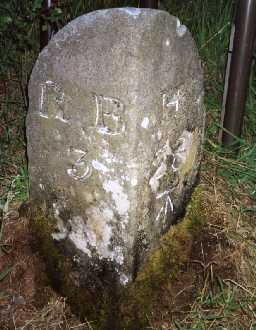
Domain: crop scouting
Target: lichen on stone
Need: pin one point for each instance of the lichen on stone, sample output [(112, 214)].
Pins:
[(190, 148), (133, 302)]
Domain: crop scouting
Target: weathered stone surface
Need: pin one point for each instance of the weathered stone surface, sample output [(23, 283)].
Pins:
[(114, 135)]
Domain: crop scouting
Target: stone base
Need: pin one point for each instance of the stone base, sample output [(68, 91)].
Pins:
[(102, 299)]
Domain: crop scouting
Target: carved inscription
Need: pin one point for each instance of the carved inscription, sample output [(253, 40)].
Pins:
[(80, 169), (171, 101), (164, 181), (167, 204), (51, 101), (109, 121), (109, 115)]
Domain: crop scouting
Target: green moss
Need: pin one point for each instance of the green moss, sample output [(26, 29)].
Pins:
[(162, 266), (174, 245), (129, 307), (85, 302)]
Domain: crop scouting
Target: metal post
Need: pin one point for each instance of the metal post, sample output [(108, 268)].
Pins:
[(229, 55), (240, 67), (45, 27), (148, 4)]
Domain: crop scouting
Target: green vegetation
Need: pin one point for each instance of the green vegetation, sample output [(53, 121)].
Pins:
[(225, 296), (210, 24), (219, 309)]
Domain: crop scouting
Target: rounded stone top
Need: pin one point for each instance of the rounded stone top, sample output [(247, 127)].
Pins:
[(112, 15), (114, 131)]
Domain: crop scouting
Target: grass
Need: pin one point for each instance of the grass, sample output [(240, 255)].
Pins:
[(230, 305), (15, 189), (13, 167), (206, 312), (224, 302), (211, 31)]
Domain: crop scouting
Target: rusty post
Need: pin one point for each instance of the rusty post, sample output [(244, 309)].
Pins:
[(240, 67), (148, 4), (45, 27)]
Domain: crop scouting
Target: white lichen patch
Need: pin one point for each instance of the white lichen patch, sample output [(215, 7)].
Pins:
[(145, 123), (110, 158), (108, 214), (134, 182), (80, 236), (117, 255), (95, 233), (106, 131), (159, 135), (187, 151), (62, 230), (99, 233), (180, 29), (133, 164), (99, 166), (185, 140), (124, 279), (119, 197), (134, 12)]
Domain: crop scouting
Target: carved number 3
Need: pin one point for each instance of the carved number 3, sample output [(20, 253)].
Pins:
[(80, 170)]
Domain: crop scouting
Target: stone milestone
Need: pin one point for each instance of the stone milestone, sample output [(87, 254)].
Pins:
[(114, 134)]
